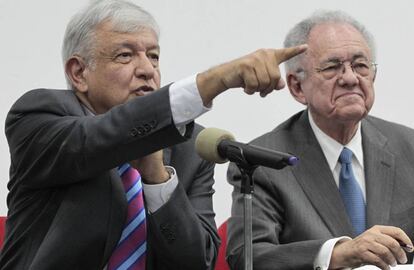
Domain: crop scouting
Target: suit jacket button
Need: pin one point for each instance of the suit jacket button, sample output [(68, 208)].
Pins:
[(141, 131), (133, 132), (147, 127), (153, 123)]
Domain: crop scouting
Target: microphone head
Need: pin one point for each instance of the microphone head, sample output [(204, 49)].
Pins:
[(207, 142)]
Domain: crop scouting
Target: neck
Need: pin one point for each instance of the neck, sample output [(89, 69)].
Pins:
[(83, 99), (342, 132)]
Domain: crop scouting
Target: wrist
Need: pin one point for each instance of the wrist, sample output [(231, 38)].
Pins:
[(157, 177), (209, 85), (338, 258)]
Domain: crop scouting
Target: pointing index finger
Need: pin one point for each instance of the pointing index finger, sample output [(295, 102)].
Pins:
[(287, 53)]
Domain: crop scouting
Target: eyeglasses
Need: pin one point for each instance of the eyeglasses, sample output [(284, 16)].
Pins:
[(361, 67)]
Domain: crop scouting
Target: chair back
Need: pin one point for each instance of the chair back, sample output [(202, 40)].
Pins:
[(221, 263), (2, 230)]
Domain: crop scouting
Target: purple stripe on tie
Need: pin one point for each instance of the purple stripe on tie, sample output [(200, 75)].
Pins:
[(134, 190), (127, 247), (135, 222), (135, 205), (139, 264), (133, 258), (129, 178)]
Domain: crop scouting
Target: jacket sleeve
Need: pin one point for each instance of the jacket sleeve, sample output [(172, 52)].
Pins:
[(51, 138), (183, 232)]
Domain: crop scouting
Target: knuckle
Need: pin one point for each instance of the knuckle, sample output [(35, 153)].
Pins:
[(252, 85), (385, 254), (261, 52), (399, 231), (394, 245), (246, 64), (248, 91), (377, 261), (277, 75), (265, 83), (370, 236), (375, 228), (364, 240)]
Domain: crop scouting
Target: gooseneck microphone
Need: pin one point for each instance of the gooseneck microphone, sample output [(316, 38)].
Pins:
[(219, 146)]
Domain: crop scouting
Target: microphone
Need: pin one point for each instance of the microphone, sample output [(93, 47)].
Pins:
[(219, 146)]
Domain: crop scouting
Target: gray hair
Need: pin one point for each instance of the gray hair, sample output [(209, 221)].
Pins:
[(299, 34), (80, 32)]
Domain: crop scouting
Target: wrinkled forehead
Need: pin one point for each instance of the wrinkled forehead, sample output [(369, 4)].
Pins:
[(337, 41), (126, 27), (107, 34)]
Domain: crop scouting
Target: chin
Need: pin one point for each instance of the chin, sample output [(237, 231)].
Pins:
[(352, 112), (354, 116)]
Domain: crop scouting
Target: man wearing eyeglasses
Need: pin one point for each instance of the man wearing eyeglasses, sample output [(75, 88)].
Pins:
[(349, 201)]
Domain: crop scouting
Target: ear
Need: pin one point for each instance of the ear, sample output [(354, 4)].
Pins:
[(295, 88), (76, 70)]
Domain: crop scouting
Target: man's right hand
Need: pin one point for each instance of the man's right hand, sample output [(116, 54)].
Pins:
[(379, 246), (256, 72)]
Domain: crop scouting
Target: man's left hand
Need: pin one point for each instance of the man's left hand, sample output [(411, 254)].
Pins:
[(151, 168)]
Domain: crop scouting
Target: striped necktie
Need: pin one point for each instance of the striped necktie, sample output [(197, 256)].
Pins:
[(130, 252), (351, 192)]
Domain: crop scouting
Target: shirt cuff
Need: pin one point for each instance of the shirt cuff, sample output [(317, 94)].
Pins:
[(157, 195), (185, 101), (323, 258)]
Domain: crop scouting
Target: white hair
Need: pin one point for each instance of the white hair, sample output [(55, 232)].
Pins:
[(80, 32), (299, 34)]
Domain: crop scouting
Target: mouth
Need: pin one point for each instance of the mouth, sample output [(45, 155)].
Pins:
[(350, 94), (143, 90)]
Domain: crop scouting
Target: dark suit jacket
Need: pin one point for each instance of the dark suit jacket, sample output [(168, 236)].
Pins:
[(66, 203), (295, 210)]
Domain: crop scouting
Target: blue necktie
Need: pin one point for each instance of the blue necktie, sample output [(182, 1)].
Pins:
[(351, 192)]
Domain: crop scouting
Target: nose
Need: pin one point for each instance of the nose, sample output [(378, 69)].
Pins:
[(348, 77), (144, 68)]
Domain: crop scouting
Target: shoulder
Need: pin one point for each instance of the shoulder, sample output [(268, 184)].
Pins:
[(46, 100), (294, 129), (395, 137), (387, 128), (49, 94)]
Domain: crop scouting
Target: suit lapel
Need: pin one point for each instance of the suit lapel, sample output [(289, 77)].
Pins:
[(379, 166), (316, 180)]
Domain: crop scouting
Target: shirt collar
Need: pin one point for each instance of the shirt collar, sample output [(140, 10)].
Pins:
[(88, 112), (332, 149)]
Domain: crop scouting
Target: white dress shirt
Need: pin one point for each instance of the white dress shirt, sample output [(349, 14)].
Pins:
[(332, 149)]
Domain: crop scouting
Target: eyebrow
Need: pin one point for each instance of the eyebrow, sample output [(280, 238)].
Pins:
[(132, 46), (337, 59)]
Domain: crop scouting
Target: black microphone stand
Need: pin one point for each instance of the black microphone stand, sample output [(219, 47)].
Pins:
[(247, 188)]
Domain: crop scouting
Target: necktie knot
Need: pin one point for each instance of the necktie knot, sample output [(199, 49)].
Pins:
[(345, 156)]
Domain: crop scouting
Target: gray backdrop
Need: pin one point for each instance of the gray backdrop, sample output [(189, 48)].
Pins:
[(196, 35)]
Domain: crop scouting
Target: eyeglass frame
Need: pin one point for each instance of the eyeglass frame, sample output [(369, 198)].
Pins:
[(341, 63)]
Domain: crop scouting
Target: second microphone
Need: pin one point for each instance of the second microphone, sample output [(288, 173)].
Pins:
[(218, 146)]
